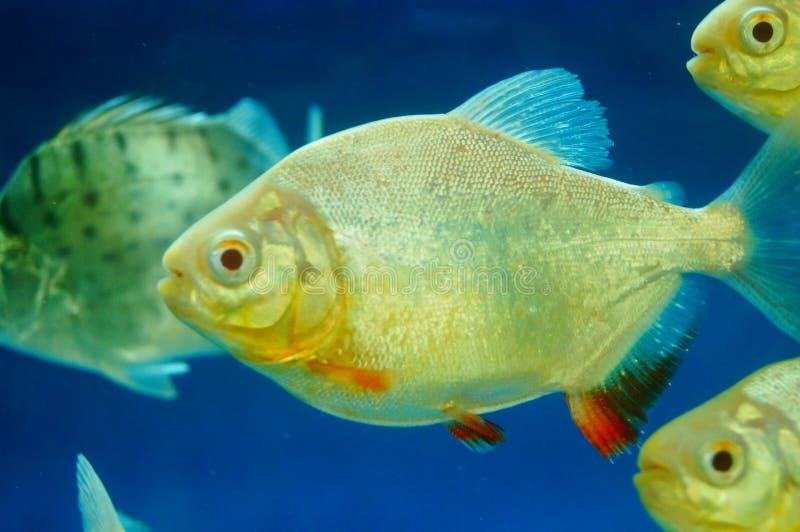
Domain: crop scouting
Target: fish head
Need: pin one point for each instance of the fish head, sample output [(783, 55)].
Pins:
[(710, 470), (251, 276), (748, 58)]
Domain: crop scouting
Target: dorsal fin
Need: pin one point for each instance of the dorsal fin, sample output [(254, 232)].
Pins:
[(252, 121), (129, 110), (612, 414), (545, 108)]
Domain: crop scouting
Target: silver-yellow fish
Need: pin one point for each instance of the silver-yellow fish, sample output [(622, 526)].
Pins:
[(748, 58), (428, 269), (732, 463), (85, 219)]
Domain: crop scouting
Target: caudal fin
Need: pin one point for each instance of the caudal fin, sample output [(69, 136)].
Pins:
[(768, 196)]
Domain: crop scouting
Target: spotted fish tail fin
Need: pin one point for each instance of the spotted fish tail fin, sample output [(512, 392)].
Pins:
[(767, 195), (150, 378)]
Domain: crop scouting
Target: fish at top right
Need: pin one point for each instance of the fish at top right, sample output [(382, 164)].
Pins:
[(748, 59)]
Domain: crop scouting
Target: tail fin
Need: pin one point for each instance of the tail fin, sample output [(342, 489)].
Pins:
[(768, 197), (97, 510)]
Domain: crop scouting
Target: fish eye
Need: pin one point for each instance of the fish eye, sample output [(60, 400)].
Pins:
[(723, 462), (762, 30), (231, 258)]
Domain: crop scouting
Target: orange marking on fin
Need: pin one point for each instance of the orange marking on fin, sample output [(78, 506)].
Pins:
[(476, 433), (372, 380), (600, 422)]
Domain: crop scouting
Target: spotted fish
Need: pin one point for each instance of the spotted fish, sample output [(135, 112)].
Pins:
[(86, 216), (429, 269)]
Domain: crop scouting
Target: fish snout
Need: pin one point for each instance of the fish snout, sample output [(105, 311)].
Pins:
[(174, 262)]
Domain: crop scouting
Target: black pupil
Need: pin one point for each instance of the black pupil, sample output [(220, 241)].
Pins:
[(722, 461), (762, 32), (231, 259)]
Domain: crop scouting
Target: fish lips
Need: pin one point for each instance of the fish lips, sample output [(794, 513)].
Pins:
[(662, 495)]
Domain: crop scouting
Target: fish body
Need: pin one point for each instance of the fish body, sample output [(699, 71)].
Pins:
[(86, 216), (97, 511), (429, 269), (749, 58), (732, 463)]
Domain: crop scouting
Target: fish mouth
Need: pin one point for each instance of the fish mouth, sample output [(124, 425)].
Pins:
[(698, 64), (661, 494)]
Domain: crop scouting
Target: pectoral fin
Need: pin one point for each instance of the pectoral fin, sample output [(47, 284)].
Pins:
[(476, 433), (370, 380)]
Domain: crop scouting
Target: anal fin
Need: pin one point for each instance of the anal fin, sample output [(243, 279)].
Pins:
[(612, 414), (476, 433)]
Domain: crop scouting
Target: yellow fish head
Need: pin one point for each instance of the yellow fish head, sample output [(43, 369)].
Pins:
[(748, 58), (708, 470), (240, 276)]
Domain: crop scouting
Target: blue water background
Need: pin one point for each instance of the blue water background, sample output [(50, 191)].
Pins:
[(235, 452)]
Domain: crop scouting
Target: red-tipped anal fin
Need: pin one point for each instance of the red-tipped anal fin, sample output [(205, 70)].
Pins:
[(370, 380), (476, 433), (611, 414), (602, 423)]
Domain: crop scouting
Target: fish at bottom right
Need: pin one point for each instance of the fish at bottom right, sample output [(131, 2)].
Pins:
[(732, 463)]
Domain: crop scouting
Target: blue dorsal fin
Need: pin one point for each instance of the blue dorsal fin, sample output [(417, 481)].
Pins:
[(546, 109), (611, 415)]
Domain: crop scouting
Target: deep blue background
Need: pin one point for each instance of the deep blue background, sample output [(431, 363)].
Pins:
[(235, 452)]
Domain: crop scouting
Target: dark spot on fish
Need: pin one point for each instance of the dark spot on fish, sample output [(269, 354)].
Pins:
[(134, 217), (189, 217), (78, 156), (241, 163), (177, 178), (110, 256), (212, 153), (50, 219), (131, 170), (132, 246), (224, 185), (36, 178), (89, 231), (63, 251), (9, 225), (119, 138), (90, 198), (172, 139)]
